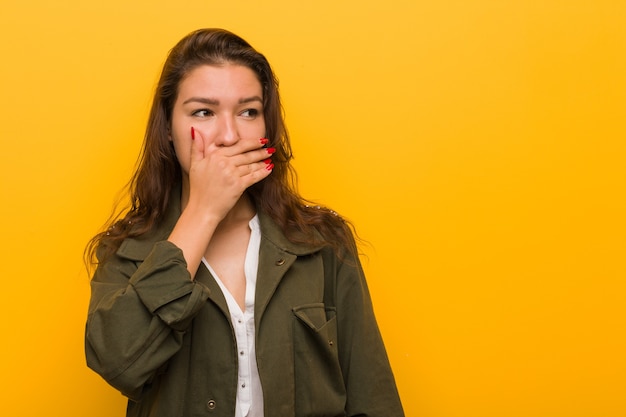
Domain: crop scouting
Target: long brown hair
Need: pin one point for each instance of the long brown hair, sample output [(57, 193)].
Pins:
[(159, 172)]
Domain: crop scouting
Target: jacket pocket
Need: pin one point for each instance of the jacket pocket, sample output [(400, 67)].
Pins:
[(320, 388)]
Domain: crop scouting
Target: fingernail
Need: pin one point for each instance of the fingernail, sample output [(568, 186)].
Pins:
[(271, 150), (193, 133), (270, 167), (267, 161), (264, 141)]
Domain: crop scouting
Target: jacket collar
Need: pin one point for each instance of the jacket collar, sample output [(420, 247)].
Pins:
[(271, 232), (138, 248)]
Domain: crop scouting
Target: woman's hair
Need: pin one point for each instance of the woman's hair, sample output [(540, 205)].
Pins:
[(159, 172)]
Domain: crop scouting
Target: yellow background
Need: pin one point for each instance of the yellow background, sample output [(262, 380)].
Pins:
[(478, 145)]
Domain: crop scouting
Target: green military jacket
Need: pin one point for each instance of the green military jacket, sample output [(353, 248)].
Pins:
[(166, 341)]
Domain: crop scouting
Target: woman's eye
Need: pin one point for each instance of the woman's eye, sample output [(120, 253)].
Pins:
[(250, 113), (202, 113)]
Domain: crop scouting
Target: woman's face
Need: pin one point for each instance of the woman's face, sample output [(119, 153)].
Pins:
[(224, 104)]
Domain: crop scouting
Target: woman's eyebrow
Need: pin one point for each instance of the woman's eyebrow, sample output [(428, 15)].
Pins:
[(250, 99), (202, 100), (214, 102)]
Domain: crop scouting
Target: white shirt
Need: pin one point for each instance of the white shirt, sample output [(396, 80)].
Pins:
[(249, 391)]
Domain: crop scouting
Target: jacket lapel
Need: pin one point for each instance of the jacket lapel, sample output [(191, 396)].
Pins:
[(276, 255), (216, 295)]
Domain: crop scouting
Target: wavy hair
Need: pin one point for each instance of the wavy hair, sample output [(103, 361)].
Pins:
[(158, 171)]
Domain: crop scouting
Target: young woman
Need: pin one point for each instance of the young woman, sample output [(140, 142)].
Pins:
[(221, 291)]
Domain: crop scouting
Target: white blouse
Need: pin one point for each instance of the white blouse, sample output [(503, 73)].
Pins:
[(249, 391)]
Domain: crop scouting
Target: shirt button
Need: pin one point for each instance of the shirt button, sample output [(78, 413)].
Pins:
[(241, 353), (211, 404)]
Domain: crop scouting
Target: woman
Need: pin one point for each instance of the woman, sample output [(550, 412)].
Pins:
[(221, 292)]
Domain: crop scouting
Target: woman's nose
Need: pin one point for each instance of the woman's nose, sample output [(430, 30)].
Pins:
[(227, 134)]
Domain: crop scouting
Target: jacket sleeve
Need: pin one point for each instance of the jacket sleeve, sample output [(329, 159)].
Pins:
[(370, 386), (138, 314)]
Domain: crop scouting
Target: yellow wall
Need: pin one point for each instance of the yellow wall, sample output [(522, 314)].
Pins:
[(479, 145)]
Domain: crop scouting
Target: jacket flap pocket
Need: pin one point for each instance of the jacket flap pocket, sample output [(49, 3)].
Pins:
[(313, 315)]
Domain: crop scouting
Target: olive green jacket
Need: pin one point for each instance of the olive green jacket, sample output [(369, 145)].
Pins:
[(166, 341)]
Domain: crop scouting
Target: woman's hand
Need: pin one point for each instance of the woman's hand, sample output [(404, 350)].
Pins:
[(219, 175)]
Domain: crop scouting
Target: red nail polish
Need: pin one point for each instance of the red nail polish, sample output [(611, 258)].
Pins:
[(270, 167), (264, 141), (193, 133), (267, 161), (271, 150)]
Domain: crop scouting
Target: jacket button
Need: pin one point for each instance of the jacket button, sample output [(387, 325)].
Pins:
[(280, 262), (211, 405)]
